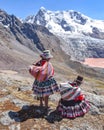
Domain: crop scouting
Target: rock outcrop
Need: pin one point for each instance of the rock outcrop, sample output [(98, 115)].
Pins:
[(18, 109)]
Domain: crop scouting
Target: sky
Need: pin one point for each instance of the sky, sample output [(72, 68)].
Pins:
[(23, 8)]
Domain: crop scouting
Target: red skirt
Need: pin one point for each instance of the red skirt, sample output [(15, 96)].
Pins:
[(45, 88), (72, 109)]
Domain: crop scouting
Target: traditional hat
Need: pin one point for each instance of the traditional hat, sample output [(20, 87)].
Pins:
[(46, 54), (79, 79)]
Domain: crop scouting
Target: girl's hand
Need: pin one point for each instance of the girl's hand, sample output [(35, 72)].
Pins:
[(32, 89)]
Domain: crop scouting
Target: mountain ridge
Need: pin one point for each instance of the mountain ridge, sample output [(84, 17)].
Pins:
[(83, 36), (21, 39)]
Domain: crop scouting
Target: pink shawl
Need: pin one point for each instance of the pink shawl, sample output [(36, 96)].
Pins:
[(42, 73)]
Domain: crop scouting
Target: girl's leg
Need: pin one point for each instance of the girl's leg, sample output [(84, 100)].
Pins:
[(41, 101), (46, 101)]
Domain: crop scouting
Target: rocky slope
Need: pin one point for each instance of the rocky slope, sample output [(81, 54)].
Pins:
[(18, 108), (25, 40)]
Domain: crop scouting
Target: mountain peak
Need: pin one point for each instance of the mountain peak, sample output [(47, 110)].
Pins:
[(59, 21), (70, 21), (42, 8)]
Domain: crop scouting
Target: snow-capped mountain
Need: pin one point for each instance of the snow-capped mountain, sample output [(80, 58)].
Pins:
[(21, 42), (19, 39), (66, 21), (84, 36)]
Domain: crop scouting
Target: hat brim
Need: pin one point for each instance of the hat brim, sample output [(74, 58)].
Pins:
[(46, 57)]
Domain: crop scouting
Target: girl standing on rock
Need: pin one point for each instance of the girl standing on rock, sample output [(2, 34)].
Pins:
[(44, 84)]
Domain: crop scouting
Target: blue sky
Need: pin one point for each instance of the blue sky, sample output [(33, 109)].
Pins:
[(23, 8)]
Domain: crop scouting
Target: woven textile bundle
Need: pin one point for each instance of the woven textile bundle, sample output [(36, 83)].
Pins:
[(68, 92)]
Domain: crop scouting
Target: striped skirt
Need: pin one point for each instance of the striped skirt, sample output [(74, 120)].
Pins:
[(45, 88), (72, 109)]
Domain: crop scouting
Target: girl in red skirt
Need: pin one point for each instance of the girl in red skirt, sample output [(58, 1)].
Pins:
[(44, 84), (72, 103)]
